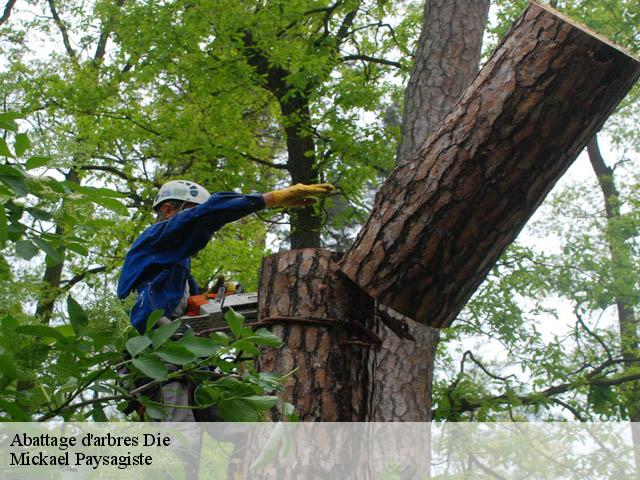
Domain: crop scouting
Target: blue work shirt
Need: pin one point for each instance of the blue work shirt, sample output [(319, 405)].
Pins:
[(158, 265)]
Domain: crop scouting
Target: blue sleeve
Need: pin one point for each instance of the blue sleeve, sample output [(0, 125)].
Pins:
[(188, 232)]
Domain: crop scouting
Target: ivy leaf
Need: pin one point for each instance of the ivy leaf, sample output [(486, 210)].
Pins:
[(26, 249), (151, 366), (136, 345), (21, 144), (77, 315)]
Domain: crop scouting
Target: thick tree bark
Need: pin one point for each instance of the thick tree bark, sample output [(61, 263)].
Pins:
[(446, 60), (442, 219), (322, 318)]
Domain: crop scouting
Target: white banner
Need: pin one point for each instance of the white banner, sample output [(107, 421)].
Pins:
[(319, 451)]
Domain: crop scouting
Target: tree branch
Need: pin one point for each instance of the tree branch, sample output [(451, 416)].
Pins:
[(81, 276), (7, 11), (263, 162), (101, 48), (63, 30), (463, 405), (367, 58)]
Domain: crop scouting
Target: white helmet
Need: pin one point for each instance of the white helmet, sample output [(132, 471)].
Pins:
[(181, 190)]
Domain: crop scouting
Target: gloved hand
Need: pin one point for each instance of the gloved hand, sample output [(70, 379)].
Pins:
[(299, 195)]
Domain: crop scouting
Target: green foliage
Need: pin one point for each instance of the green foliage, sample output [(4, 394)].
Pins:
[(65, 364)]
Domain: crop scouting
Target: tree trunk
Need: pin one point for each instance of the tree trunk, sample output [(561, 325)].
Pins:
[(443, 218), (323, 320), (623, 273), (446, 60), (305, 223), (53, 275)]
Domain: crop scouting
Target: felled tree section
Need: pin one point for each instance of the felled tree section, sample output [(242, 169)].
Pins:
[(323, 320), (442, 219)]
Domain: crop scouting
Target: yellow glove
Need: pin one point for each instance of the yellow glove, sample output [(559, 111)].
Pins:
[(300, 195)]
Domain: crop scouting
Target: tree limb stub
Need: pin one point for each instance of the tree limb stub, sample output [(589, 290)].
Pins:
[(441, 220)]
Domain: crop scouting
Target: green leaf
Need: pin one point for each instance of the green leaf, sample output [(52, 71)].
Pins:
[(21, 144), (78, 248), (176, 354), (235, 321), (95, 191), (41, 331), (4, 234), (97, 413), (199, 346), (245, 409), (9, 171), (235, 410), (246, 346), (261, 402), (136, 345), (164, 333), (220, 338), (151, 366), (602, 398), (49, 249), (77, 315), (17, 184), (4, 149), (153, 409), (289, 411), (26, 249), (66, 330), (10, 116), (153, 318), (14, 410), (272, 446), (7, 366), (262, 336), (36, 162), (39, 214), (111, 204)]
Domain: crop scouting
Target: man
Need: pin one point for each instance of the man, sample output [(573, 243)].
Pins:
[(158, 264)]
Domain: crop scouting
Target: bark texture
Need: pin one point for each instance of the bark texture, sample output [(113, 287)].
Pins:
[(320, 316), (442, 218), (446, 60)]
